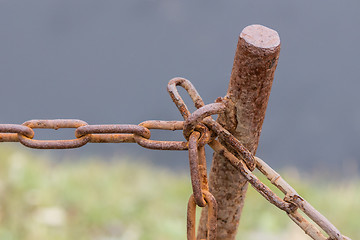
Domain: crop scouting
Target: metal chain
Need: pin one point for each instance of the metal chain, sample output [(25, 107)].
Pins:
[(199, 129), (84, 133)]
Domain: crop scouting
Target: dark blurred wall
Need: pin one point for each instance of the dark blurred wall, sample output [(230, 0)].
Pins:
[(109, 62)]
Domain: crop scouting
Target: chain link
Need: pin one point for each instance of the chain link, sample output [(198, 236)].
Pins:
[(198, 129), (196, 161), (212, 216), (85, 133), (161, 145)]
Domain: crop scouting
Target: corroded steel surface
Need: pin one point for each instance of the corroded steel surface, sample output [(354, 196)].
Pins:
[(246, 100), (199, 129), (84, 133), (161, 145), (198, 115), (212, 217), (194, 163), (54, 124), (177, 99)]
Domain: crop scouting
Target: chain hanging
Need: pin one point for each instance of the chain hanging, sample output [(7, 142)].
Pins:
[(199, 129)]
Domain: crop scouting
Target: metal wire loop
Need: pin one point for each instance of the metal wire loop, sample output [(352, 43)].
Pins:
[(212, 217), (177, 99), (121, 128), (206, 135), (194, 169), (161, 145), (199, 129), (54, 144)]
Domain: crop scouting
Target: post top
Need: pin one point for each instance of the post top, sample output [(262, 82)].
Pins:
[(260, 36)]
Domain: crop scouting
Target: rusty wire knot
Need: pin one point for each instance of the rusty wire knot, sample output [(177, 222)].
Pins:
[(199, 115), (198, 129), (231, 143), (202, 114), (177, 99), (206, 135), (120, 128), (196, 133), (242, 159), (212, 216)]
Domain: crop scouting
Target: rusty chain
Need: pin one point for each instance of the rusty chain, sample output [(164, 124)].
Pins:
[(199, 129)]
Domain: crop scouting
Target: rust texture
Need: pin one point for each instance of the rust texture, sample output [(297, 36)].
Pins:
[(161, 145), (194, 169), (15, 128), (197, 116), (212, 220), (251, 79), (253, 180), (54, 124), (231, 143), (84, 133), (96, 129), (234, 138), (177, 99), (294, 198)]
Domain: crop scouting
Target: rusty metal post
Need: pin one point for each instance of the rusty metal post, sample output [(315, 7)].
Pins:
[(251, 79)]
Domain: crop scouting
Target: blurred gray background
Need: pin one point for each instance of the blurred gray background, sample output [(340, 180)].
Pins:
[(108, 62)]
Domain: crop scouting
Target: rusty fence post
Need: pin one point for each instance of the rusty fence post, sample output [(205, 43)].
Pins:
[(251, 79)]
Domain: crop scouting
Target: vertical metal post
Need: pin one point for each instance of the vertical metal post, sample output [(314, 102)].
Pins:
[(251, 79)]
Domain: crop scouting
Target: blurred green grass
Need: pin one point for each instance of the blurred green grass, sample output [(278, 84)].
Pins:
[(119, 199)]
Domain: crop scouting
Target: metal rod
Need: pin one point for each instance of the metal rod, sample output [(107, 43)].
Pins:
[(251, 79)]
